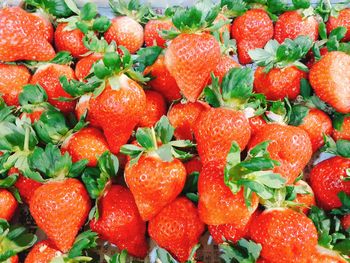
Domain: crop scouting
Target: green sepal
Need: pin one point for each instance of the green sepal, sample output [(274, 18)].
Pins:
[(305, 88), (76, 88), (164, 256), (301, 4), (164, 130), (340, 147), (101, 24), (8, 181), (83, 241), (6, 112), (191, 185), (32, 94), (88, 11), (298, 113), (62, 58), (57, 8), (233, 8), (345, 208), (121, 257), (146, 57), (132, 8), (244, 251)]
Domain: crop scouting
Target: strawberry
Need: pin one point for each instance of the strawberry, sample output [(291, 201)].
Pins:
[(285, 235), (193, 165), (44, 24), (306, 200), (42, 252), (88, 143), (341, 19), (191, 56), (289, 145), (326, 179), (177, 228), (292, 24), (153, 28), (256, 123), (222, 18), (13, 78), (329, 80), (323, 255), (155, 109), (224, 65), (183, 117), (251, 30), (84, 65), (21, 38), (49, 78), (83, 106), (8, 204), (344, 132)]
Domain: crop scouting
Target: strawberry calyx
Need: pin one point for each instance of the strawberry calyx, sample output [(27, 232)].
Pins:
[(146, 57), (157, 142), (326, 9), (61, 58), (118, 257), (56, 10), (13, 240), (243, 251), (131, 8), (233, 8), (340, 147)]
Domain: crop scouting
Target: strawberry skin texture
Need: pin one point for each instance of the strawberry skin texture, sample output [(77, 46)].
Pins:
[(33, 116), (317, 123), (251, 30), (256, 123), (216, 129), (182, 117), (84, 65), (8, 204), (155, 108), (88, 143), (307, 200), (344, 132), (330, 80), (177, 228), (326, 179), (162, 81), (190, 58), (60, 209), (82, 106), (120, 223), (345, 222), (154, 183), (48, 78), (42, 252), (217, 204), (12, 80), (291, 24), (278, 83), (153, 28), (343, 19), (285, 235), (289, 145), (20, 38), (126, 32), (71, 41), (193, 165), (224, 65), (44, 25)]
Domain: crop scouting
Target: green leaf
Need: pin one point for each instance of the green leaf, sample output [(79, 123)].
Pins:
[(101, 24), (191, 183), (88, 11), (301, 4), (118, 258), (8, 181), (258, 164), (245, 251), (83, 241), (343, 148), (62, 58), (338, 120), (305, 88), (298, 113), (165, 153), (339, 33), (233, 8), (57, 8), (146, 138), (164, 130), (322, 30), (32, 94), (147, 56), (131, 150), (112, 60), (164, 256)]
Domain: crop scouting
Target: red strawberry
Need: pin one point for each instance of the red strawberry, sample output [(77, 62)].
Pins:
[(344, 132), (193, 165), (289, 145), (330, 81), (8, 204), (324, 255), (82, 106), (120, 223), (153, 28), (285, 235), (14, 259), (70, 40), (326, 179), (307, 200), (42, 252), (48, 77), (224, 65), (342, 19), (256, 123), (278, 83), (292, 24), (345, 222), (88, 143), (84, 65), (162, 81), (60, 209), (177, 228), (227, 27), (310, 57), (44, 24), (34, 115), (183, 117), (12, 80), (317, 124), (21, 39), (155, 109), (251, 30)]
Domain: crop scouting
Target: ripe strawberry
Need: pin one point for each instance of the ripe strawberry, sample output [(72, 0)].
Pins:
[(84, 65), (193, 165), (70, 40), (82, 106), (44, 25), (14, 259), (251, 30), (345, 222), (342, 19), (88, 143), (256, 123), (177, 228), (292, 24), (162, 81), (8, 204), (120, 223), (344, 132), (307, 200), (323, 255), (183, 117), (224, 65), (153, 28), (12, 80), (326, 179), (317, 124), (21, 38), (155, 109), (289, 145), (285, 235), (310, 57), (48, 77), (330, 81), (227, 27), (42, 252)]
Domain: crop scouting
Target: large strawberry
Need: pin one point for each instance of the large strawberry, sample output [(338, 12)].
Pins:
[(340, 19), (330, 81), (177, 228), (153, 29), (192, 55), (21, 38)]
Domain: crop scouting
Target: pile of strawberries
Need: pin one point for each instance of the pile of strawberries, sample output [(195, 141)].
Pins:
[(145, 127)]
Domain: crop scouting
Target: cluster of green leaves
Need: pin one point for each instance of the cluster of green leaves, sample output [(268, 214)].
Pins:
[(165, 257), (57, 8), (121, 257), (132, 8), (340, 147), (61, 58), (325, 9), (244, 251)]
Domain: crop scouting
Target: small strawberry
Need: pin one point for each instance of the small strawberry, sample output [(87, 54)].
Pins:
[(307, 200), (42, 252), (84, 65), (342, 18), (329, 79), (12, 80), (177, 228), (224, 65), (155, 109), (285, 235), (21, 38), (344, 132), (153, 28), (8, 204), (251, 30)]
